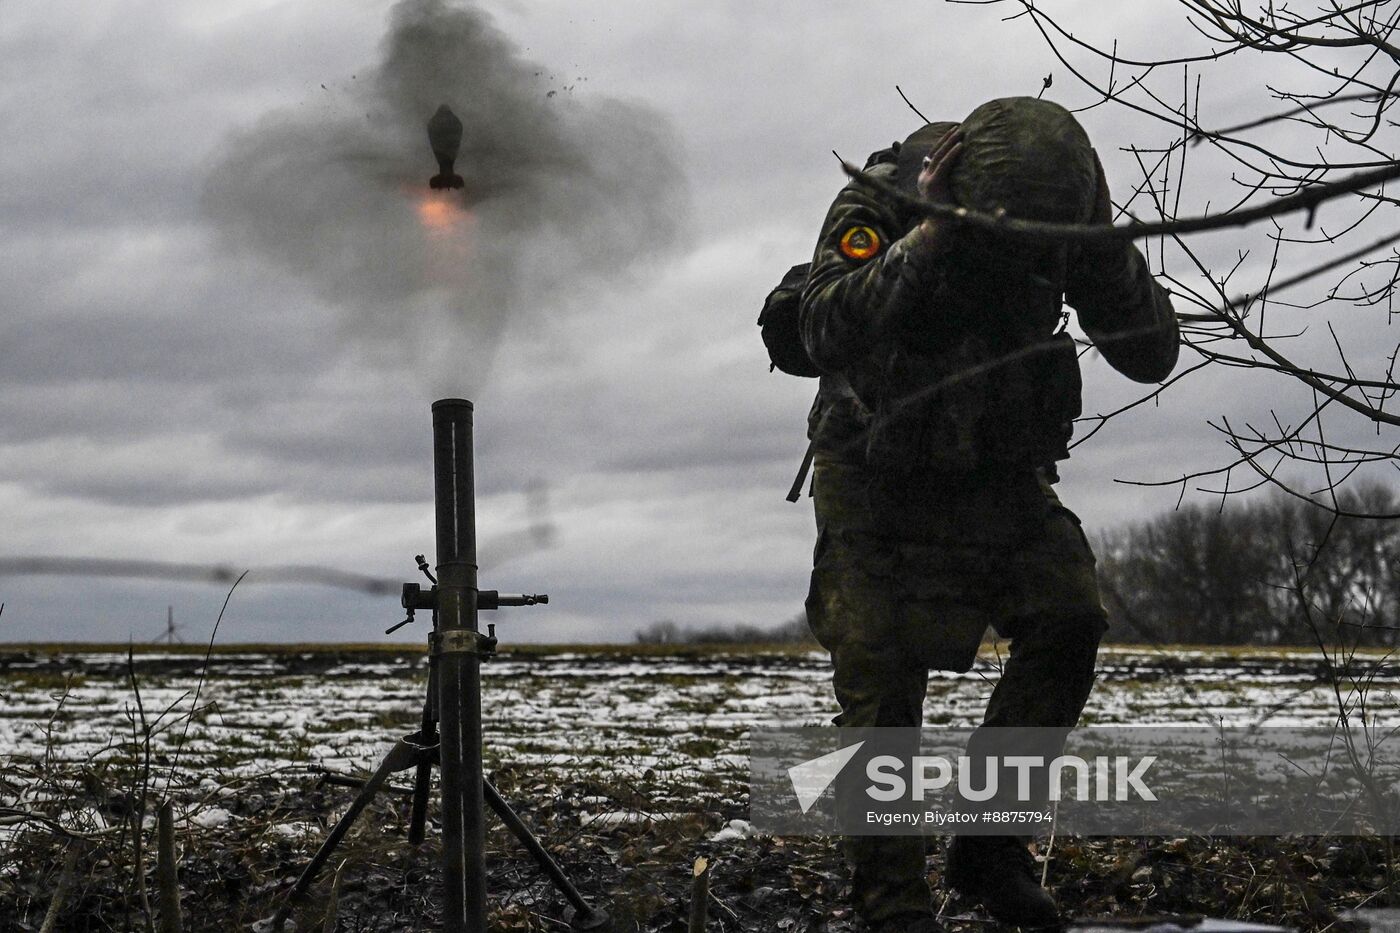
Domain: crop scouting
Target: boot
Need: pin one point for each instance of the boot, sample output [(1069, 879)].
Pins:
[(1000, 872)]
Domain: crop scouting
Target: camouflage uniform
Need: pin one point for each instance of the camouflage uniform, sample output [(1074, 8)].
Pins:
[(918, 551)]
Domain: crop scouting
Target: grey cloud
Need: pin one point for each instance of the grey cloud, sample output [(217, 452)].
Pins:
[(166, 398), (558, 190)]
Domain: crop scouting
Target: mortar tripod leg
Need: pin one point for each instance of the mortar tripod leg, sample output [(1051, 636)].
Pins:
[(422, 783), (400, 757), (427, 738), (585, 917), (418, 820)]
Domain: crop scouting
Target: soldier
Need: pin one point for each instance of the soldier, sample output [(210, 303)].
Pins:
[(946, 398)]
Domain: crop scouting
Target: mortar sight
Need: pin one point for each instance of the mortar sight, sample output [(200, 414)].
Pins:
[(414, 598)]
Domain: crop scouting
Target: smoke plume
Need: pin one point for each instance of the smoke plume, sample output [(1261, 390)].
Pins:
[(563, 190)]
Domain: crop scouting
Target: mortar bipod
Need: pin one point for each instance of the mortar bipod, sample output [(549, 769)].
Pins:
[(450, 736), (421, 751)]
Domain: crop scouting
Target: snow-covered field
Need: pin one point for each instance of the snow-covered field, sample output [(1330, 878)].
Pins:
[(682, 720)]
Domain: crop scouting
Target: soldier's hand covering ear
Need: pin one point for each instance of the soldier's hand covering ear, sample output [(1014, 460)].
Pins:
[(1123, 310), (1114, 252), (933, 184), (1102, 212)]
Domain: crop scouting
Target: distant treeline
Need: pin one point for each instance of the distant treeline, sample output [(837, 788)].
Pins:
[(1264, 571), (793, 631)]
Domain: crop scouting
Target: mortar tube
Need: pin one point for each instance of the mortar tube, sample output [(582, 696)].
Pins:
[(459, 671)]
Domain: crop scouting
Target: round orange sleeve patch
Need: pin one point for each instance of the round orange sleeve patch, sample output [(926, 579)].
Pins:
[(860, 243)]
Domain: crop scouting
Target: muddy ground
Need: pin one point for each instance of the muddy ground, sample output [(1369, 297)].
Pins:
[(626, 763)]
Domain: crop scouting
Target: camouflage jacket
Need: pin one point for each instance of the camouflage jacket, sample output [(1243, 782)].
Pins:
[(871, 291)]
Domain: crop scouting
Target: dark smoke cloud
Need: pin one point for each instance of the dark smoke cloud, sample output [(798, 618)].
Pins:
[(563, 191)]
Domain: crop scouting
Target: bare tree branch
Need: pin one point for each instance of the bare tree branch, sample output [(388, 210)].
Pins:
[(1309, 199)]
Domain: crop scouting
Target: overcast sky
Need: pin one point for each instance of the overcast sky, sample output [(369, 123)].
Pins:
[(229, 303)]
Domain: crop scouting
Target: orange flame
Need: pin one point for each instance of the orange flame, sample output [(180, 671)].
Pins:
[(448, 227), (439, 212)]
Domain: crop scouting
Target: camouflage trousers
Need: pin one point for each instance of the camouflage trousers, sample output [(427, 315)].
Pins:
[(907, 576)]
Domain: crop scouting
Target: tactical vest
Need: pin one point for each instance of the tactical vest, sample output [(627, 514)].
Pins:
[(994, 385)]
